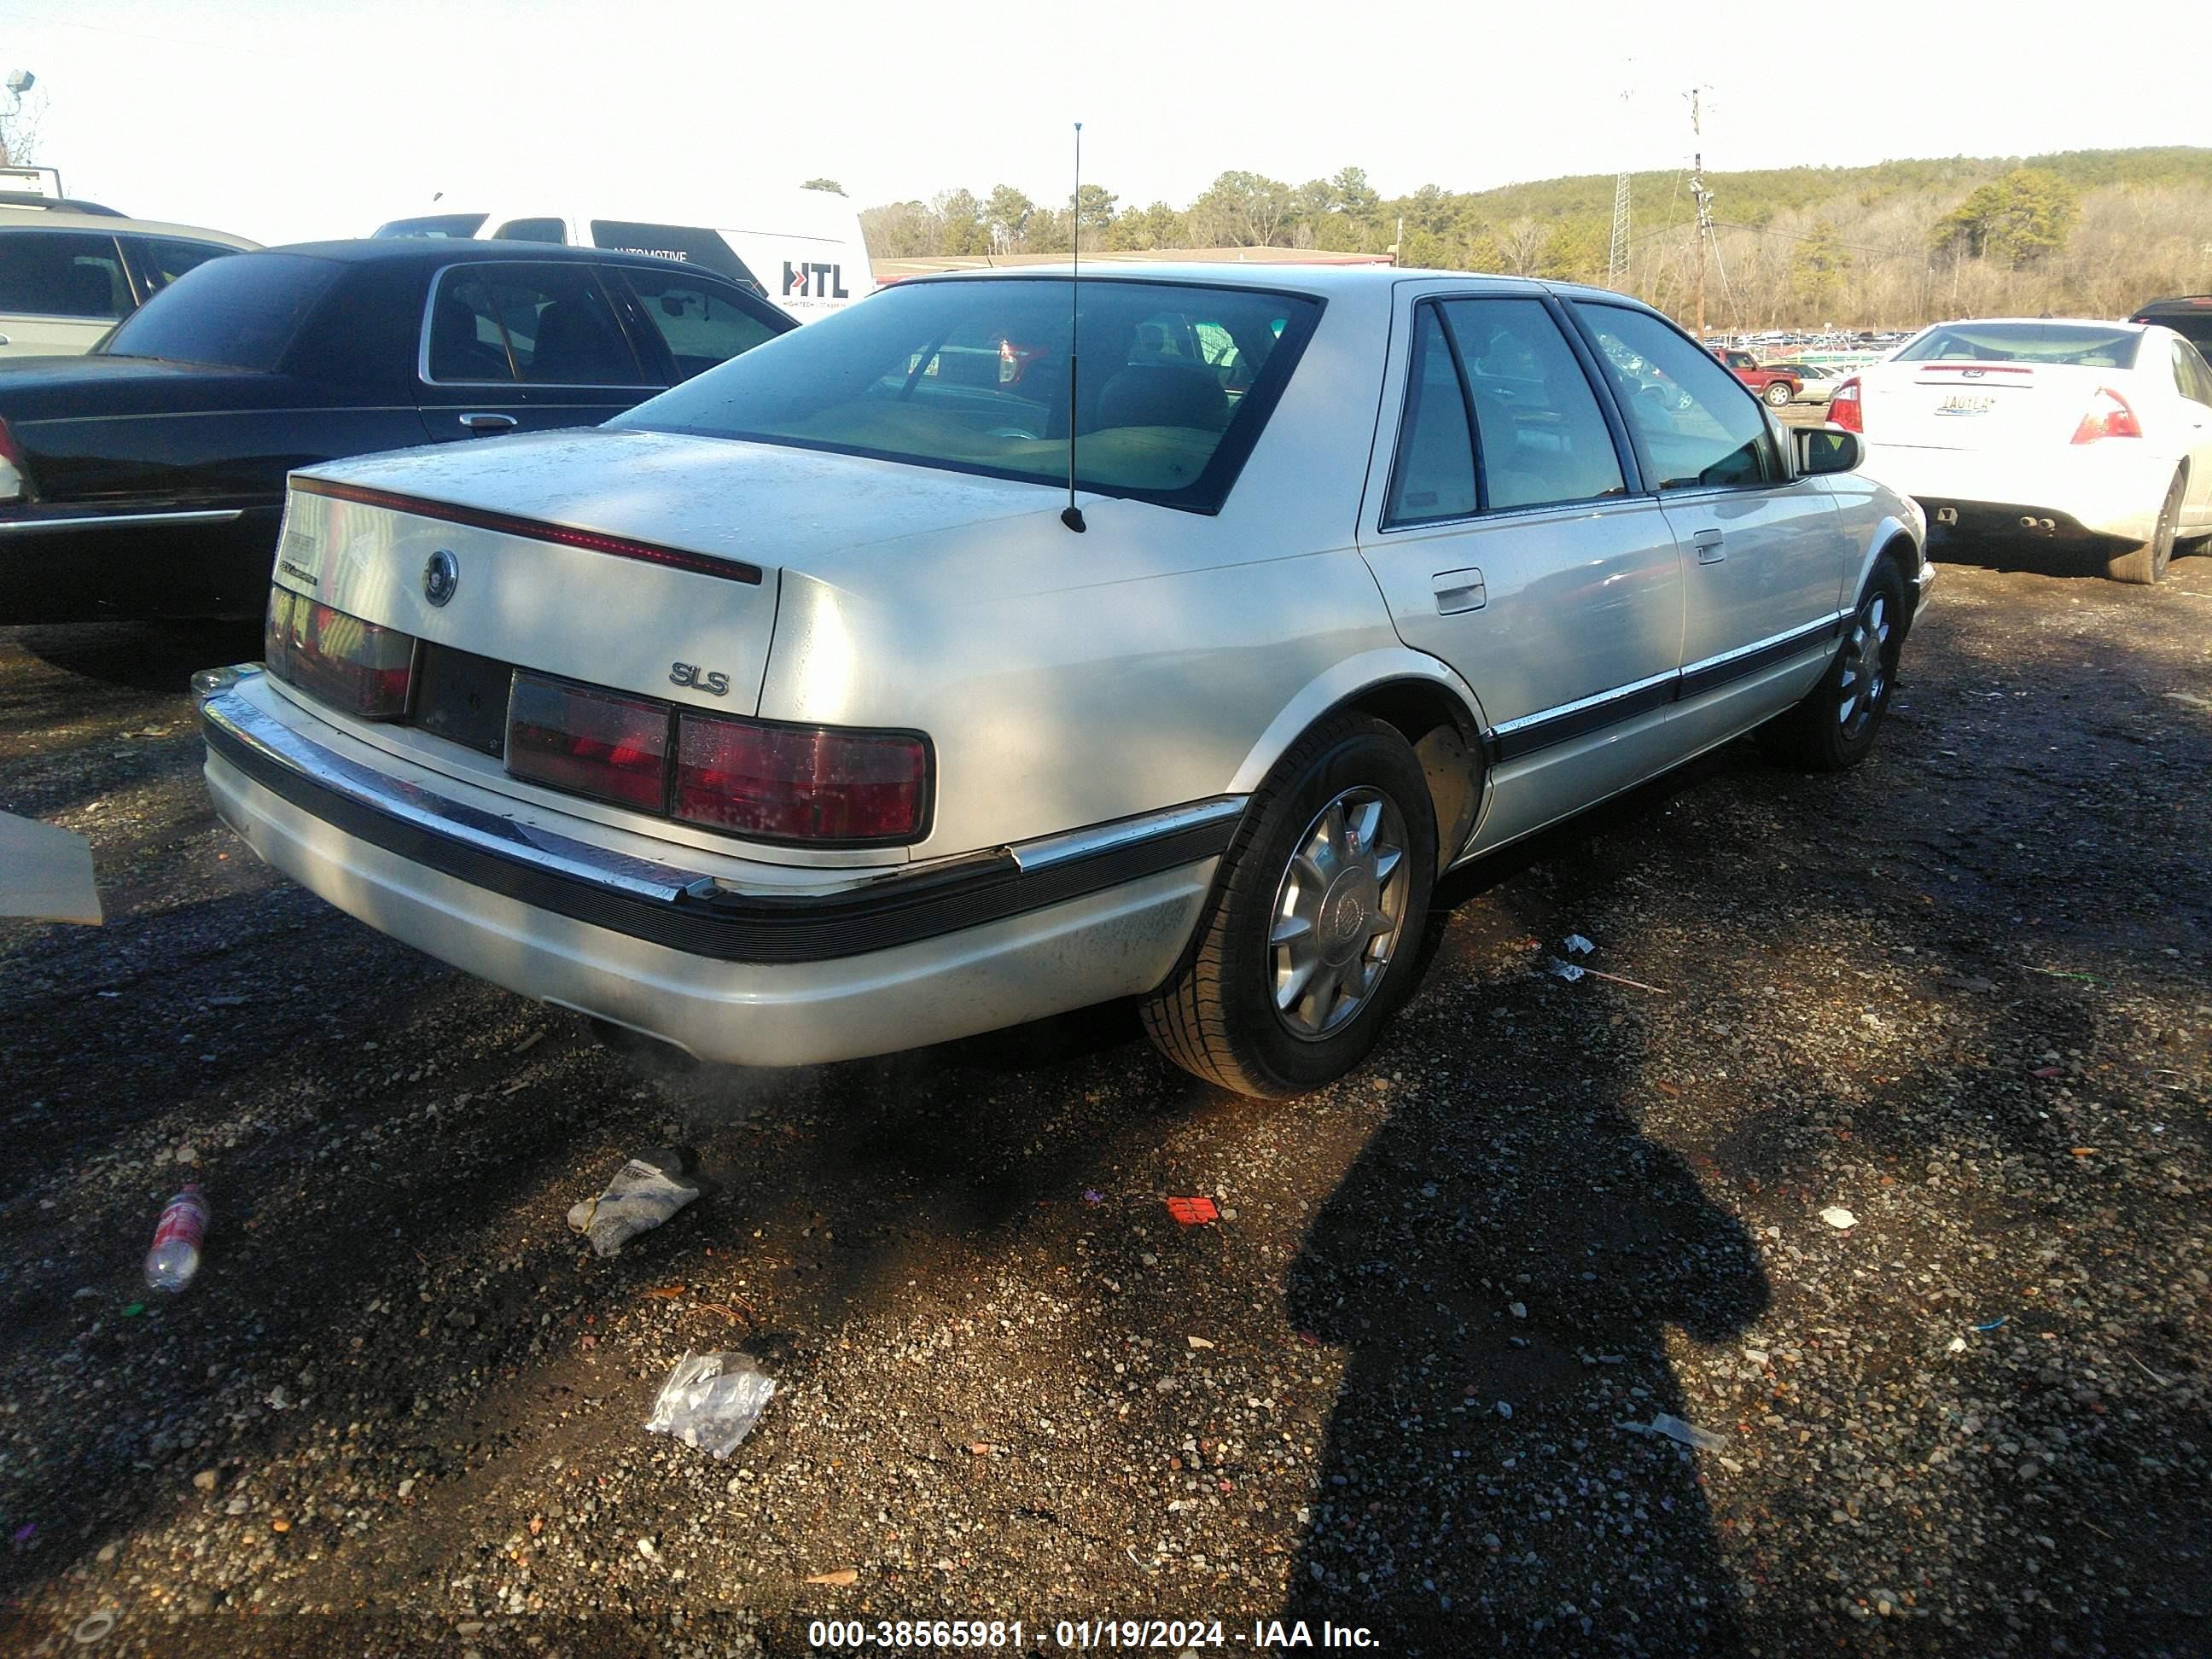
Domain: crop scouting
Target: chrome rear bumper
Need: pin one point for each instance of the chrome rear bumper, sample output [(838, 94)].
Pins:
[(873, 963)]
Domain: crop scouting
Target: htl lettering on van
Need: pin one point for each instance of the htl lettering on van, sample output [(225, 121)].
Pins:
[(804, 254)]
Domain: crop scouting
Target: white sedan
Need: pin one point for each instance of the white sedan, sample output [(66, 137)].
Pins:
[(810, 711), (2088, 431)]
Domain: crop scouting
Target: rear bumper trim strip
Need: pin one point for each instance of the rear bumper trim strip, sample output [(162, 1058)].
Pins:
[(688, 910)]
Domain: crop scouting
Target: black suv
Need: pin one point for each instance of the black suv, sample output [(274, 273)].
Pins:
[(2188, 315)]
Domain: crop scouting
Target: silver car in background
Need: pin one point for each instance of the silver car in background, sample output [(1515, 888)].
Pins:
[(805, 712), (1817, 382)]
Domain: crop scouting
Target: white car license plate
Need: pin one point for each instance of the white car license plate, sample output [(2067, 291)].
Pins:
[(1966, 403)]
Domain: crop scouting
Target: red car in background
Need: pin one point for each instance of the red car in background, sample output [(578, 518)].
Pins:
[(1774, 387)]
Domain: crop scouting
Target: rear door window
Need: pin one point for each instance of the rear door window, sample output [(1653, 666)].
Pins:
[(1544, 438), (1696, 425), (60, 273), (530, 324), (2193, 379), (1434, 475), (683, 245), (701, 323)]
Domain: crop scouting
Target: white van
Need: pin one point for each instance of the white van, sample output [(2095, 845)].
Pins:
[(802, 250)]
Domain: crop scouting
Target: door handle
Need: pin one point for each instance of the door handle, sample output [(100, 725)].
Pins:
[(5, 340), (480, 423), (1457, 591), (1710, 546)]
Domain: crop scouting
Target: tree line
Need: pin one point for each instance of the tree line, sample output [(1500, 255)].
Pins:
[(1897, 244)]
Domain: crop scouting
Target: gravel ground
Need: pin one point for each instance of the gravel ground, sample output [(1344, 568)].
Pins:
[(1403, 1384)]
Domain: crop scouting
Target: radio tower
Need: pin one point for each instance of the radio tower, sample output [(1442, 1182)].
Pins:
[(1702, 200), (1616, 257)]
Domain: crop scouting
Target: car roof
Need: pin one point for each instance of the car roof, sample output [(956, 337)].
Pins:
[(2036, 322), (2176, 302), (1320, 280), (30, 222), (441, 251)]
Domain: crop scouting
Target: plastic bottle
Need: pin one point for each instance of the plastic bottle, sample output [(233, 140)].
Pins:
[(175, 1256)]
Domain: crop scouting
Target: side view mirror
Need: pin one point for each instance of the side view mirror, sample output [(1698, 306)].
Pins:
[(1827, 449)]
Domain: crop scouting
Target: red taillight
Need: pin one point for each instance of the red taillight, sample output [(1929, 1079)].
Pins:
[(2107, 416), (1845, 410), (590, 743), (357, 666), (800, 783)]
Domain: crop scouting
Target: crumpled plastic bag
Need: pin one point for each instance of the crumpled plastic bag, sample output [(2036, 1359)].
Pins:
[(711, 1400), (645, 1192)]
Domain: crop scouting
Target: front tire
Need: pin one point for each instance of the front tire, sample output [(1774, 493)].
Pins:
[(1777, 393), (2145, 563), (1310, 938), (1833, 729)]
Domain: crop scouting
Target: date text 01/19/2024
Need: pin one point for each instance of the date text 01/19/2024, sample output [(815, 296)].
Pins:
[(1177, 1636)]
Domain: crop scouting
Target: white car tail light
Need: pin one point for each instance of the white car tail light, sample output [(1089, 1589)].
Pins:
[(1846, 409), (2108, 416)]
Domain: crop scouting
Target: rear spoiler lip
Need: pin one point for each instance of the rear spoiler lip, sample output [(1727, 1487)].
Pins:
[(536, 530)]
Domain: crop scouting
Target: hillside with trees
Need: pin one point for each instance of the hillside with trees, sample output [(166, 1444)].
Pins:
[(2092, 231)]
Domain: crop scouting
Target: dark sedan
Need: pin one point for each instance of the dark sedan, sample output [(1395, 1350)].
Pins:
[(147, 479)]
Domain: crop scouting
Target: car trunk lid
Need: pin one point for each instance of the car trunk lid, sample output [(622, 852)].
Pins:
[(1977, 405), (643, 563)]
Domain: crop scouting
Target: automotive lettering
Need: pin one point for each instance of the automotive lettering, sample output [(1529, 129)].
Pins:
[(699, 679), (814, 282)]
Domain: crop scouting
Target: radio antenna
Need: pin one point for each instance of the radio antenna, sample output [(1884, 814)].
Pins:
[(1073, 518)]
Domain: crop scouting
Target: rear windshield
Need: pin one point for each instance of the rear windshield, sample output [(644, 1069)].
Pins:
[(236, 312), (2194, 326), (434, 224), (1173, 383), (2079, 345)]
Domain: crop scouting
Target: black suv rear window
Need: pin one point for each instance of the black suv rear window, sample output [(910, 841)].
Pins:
[(1174, 383), (236, 312)]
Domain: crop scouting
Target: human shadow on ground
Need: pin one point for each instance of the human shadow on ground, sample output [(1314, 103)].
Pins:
[(1502, 1261)]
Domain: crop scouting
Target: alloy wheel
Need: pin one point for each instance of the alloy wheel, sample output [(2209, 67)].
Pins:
[(1339, 911), (1865, 682)]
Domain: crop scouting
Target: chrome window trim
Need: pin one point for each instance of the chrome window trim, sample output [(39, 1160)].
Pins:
[(430, 305), (1628, 493), (1580, 507), (198, 515)]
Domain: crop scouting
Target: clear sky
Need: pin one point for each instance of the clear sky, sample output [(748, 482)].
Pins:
[(282, 119)]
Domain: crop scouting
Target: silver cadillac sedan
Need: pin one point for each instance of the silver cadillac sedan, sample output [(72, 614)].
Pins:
[(997, 648)]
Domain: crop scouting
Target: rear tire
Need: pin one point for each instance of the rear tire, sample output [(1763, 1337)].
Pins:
[(2145, 563), (1335, 857), (1777, 393), (1833, 729)]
